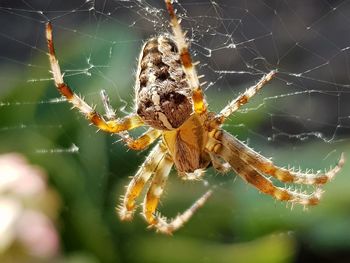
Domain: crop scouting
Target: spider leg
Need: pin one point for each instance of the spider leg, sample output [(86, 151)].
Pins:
[(110, 112), (199, 103), (222, 167), (143, 141), (253, 177), (152, 198), (139, 143), (242, 99), (265, 166), (168, 227), (194, 176), (127, 207), (112, 126), (156, 189)]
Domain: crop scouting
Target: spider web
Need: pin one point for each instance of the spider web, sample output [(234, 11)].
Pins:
[(235, 41), (302, 117)]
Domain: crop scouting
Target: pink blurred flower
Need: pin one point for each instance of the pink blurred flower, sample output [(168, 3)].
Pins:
[(24, 195), (10, 211), (36, 232), (18, 177)]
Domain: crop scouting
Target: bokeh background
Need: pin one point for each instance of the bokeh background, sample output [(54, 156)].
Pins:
[(63, 179)]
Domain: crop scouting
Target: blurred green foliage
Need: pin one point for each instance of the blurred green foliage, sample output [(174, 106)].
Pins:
[(237, 225)]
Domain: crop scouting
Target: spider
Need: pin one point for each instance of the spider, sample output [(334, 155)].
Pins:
[(170, 101)]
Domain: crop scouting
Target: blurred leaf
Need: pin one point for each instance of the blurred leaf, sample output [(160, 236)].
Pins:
[(271, 249)]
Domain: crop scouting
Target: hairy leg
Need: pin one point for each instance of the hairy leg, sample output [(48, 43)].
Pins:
[(199, 103), (266, 166), (139, 143), (219, 165), (253, 177), (150, 204), (196, 175), (242, 99), (156, 189), (113, 126), (168, 227), (147, 169)]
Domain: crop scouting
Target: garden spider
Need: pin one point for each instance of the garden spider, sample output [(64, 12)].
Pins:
[(169, 99)]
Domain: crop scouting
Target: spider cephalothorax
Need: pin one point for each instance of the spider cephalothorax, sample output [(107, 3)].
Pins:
[(169, 99)]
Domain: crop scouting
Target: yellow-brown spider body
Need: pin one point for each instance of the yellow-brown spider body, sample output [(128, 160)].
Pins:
[(169, 99), (186, 145), (163, 100)]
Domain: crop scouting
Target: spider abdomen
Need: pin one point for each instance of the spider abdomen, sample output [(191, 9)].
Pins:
[(162, 90)]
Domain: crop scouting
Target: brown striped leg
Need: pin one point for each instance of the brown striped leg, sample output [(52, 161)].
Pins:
[(168, 227), (252, 176), (265, 166), (156, 189), (113, 126), (144, 140), (199, 103), (139, 143), (127, 207), (242, 99), (150, 204)]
